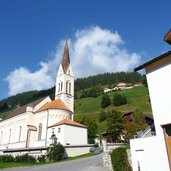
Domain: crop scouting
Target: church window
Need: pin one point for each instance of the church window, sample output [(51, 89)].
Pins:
[(69, 72), (61, 85), (40, 131), (69, 88), (9, 136), (1, 137), (59, 130), (66, 87), (20, 129)]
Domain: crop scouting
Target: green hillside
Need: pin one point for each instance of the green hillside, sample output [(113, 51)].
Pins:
[(90, 108)]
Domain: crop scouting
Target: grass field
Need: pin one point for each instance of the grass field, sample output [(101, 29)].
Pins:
[(138, 99)]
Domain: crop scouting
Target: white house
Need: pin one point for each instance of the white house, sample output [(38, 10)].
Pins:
[(33, 125), (154, 153)]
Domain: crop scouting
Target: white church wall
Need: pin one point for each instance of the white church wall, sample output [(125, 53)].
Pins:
[(56, 115), (12, 136), (41, 119), (75, 135), (58, 131)]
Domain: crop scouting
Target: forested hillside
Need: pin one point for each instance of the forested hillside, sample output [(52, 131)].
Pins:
[(108, 79), (84, 87)]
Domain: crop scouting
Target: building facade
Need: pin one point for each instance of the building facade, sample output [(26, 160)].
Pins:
[(34, 124), (154, 153)]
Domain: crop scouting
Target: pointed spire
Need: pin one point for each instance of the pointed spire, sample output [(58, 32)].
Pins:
[(66, 59)]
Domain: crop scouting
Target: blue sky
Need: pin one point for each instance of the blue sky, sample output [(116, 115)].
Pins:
[(32, 35)]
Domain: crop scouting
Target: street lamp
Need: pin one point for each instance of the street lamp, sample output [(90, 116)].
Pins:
[(53, 137)]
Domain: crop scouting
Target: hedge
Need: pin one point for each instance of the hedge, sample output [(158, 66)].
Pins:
[(119, 160)]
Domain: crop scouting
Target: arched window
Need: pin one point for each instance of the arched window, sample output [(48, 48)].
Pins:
[(61, 85), (20, 129), (69, 88), (9, 136), (40, 131), (59, 130), (69, 72)]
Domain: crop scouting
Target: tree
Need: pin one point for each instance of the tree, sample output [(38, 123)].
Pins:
[(119, 99), (102, 116), (92, 131), (129, 131), (114, 125), (56, 152), (105, 101)]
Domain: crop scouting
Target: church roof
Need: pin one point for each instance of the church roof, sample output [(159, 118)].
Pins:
[(22, 109), (55, 104), (66, 59), (67, 122)]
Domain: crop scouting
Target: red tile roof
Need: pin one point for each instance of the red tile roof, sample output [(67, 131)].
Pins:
[(55, 104), (68, 122)]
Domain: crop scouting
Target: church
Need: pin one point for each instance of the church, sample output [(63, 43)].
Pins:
[(39, 123)]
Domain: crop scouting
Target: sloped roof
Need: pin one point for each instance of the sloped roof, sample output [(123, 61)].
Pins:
[(55, 104), (152, 61), (19, 110), (167, 37), (66, 59), (67, 122)]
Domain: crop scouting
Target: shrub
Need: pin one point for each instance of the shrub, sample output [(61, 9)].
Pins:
[(102, 116), (25, 158), (119, 99), (6, 158), (41, 159), (119, 160), (105, 101), (56, 152)]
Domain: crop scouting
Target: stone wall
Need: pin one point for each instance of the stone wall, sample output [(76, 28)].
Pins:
[(107, 163)]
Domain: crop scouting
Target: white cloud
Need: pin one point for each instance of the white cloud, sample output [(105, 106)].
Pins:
[(93, 50)]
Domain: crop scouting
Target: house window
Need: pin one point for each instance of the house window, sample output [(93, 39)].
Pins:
[(1, 137), (20, 129), (40, 131), (59, 130), (9, 136)]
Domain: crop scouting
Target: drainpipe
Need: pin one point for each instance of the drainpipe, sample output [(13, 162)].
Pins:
[(47, 127)]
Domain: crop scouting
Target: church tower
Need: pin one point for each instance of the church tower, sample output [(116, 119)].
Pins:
[(65, 80)]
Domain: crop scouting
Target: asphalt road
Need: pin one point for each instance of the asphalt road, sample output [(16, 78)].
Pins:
[(93, 163)]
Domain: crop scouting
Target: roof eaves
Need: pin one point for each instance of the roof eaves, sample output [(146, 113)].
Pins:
[(152, 61)]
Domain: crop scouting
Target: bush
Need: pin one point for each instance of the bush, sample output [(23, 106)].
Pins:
[(56, 152), (41, 159), (102, 116), (119, 99), (6, 158), (105, 101), (25, 158), (119, 160)]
